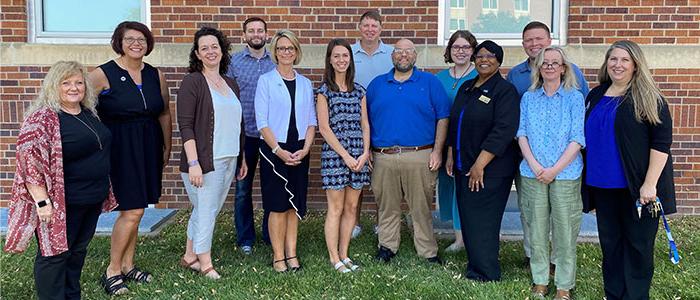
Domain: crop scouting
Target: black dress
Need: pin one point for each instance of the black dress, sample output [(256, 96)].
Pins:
[(284, 187), (131, 114)]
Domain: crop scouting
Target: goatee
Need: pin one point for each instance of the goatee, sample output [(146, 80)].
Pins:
[(256, 46)]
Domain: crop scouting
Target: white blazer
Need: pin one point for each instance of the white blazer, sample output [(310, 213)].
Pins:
[(273, 105)]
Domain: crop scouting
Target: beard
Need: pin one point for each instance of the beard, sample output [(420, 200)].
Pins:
[(256, 46), (404, 68)]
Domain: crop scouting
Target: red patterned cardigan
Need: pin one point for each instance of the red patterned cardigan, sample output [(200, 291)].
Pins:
[(40, 162)]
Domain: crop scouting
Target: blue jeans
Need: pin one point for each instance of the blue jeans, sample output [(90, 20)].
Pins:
[(243, 214)]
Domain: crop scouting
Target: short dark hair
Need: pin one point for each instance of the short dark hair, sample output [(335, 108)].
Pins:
[(329, 73), (465, 34), (536, 24), (118, 36), (253, 19), (196, 64), (372, 14)]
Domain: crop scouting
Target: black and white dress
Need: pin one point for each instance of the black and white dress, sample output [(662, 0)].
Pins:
[(344, 115)]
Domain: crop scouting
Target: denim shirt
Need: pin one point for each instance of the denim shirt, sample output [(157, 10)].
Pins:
[(550, 124)]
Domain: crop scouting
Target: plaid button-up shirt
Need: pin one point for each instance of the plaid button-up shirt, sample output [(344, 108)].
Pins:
[(246, 69)]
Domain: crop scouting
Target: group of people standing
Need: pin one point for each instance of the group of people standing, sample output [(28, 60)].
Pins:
[(99, 141)]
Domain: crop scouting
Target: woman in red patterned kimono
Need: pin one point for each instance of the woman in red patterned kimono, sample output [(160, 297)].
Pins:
[(62, 180)]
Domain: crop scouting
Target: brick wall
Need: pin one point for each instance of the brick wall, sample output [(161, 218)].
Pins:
[(174, 21), (643, 21)]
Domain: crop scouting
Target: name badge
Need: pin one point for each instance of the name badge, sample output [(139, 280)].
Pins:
[(484, 99)]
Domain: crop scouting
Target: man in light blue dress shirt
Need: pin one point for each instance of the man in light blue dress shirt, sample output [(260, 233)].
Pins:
[(372, 58)]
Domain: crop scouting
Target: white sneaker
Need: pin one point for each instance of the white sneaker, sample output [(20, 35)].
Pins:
[(356, 231), (454, 248)]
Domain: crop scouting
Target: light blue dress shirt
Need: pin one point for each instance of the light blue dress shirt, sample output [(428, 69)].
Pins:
[(368, 67), (519, 76), (246, 69), (273, 105), (550, 125)]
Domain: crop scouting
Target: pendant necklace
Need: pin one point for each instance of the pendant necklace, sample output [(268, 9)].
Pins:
[(454, 85), (99, 142)]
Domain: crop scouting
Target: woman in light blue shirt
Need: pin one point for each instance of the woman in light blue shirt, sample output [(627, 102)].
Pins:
[(551, 137), (286, 117)]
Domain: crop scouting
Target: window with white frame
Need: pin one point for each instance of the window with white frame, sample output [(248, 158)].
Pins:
[(79, 21), (456, 3), (502, 20)]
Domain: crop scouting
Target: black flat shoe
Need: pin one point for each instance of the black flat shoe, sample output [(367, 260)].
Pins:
[(294, 268), (139, 276), (285, 265)]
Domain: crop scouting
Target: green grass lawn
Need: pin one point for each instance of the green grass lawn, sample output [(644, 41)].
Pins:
[(406, 277)]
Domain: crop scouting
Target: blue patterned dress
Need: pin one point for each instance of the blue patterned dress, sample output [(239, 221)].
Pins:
[(344, 113)]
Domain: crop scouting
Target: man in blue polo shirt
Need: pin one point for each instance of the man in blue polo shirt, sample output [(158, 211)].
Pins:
[(246, 66), (408, 111)]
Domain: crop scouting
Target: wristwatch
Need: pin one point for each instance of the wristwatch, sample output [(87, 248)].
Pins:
[(274, 151), (42, 203)]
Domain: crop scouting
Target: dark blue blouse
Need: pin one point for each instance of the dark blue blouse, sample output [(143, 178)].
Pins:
[(603, 163)]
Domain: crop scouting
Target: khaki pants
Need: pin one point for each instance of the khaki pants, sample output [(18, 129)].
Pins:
[(405, 176), (559, 204)]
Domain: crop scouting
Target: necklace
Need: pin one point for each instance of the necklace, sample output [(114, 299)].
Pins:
[(218, 83), (99, 142), (454, 70), (290, 76)]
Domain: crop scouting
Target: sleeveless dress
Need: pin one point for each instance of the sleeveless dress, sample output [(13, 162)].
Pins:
[(344, 114), (131, 114)]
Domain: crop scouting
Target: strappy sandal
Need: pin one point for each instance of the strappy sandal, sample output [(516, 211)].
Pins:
[(111, 286), (189, 265), (340, 265), (294, 268), (539, 291), (277, 261), (562, 295), (206, 273), (352, 266), (138, 276)]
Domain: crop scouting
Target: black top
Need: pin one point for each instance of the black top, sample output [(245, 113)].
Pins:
[(634, 141), (490, 122), (124, 100), (85, 166), (292, 132)]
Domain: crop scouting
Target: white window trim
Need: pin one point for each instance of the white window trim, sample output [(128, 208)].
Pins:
[(521, 11), (560, 15), (489, 9), (36, 34), (464, 3)]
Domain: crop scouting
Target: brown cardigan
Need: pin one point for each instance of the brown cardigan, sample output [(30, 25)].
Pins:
[(195, 118)]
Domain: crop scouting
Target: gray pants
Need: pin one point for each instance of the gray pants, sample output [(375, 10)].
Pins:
[(207, 202)]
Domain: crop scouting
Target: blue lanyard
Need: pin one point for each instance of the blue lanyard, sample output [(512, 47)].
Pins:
[(672, 249)]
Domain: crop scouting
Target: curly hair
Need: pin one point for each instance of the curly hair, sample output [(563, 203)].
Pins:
[(196, 64), (50, 94)]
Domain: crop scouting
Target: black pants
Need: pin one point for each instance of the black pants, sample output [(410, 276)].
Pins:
[(481, 213), (627, 243), (58, 276)]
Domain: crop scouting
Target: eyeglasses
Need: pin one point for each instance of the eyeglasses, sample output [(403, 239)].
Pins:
[(553, 65), (464, 48), (289, 49), (407, 51), (130, 40), (485, 56)]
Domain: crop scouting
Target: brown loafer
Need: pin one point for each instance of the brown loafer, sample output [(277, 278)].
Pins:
[(562, 295), (539, 291)]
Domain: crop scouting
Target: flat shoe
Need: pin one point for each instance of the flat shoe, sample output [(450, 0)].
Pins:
[(189, 265), (539, 291), (111, 286), (562, 295), (138, 276), (208, 273), (352, 266), (340, 267)]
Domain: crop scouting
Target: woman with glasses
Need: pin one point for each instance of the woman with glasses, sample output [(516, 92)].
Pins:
[(482, 158), (459, 51), (133, 104), (550, 136), (286, 117)]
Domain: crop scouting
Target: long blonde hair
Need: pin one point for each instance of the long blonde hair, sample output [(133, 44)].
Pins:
[(568, 79), (50, 94), (646, 97)]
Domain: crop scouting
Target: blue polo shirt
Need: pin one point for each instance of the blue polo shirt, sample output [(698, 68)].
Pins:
[(405, 113), (367, 67), (519, 76)]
